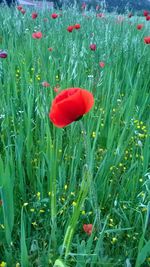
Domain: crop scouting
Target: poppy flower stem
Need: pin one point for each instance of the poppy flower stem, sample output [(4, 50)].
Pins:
[(84, 188)]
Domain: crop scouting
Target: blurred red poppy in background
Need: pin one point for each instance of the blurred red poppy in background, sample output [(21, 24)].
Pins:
[(83, 5), (37, 35), (34, 15), (147, 40), (101, 64), (70, 105), (70, 28), (45, 84), (93, 47), (3, 54), (23, 11), (139, 26), (77, 26), (50, 49), (148, 17), (97, 7), (19, 8), (88, 228), (145, 13), (54, 16), (100, 15)]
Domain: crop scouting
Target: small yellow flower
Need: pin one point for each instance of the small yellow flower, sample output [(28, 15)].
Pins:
[(34, 223), (114, 240), (144, 209), (94, 134), (32, 210), (25, 204), (38, 195), (61, 212), (83, 212), (3, 264), (65, 187), (74, 203), (42, 211)]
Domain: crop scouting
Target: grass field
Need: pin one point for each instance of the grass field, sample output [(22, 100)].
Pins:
[(96, 171)]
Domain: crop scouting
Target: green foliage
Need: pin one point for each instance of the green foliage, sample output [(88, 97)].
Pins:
[(42, 169)]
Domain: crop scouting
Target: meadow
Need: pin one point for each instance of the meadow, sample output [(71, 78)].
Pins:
[(77, 195)]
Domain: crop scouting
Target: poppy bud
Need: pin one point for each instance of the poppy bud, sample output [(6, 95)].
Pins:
[(23, 11), (70, 28), (54, 16), (3, 54), (145, 13), (148, 17), (101, 64), (34, 15), (88, 228), (147, 40), (19, 8), (93, 47), (37, 35), (77, 26), (139, 26)]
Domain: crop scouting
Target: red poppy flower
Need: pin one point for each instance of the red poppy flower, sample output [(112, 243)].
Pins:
[(23, 11), (70, 105), (93, 47), (147, 40), (37, 35), (56, 89), (145, 13), (70, 28), (19, 8), (88, 228), (54, 16), (148, 17), (3, 54), (34, 15), (100, 15), (77, 26), (83, 6), (97, 7), (50, 49), (101, 64), (45, 84), (139, 26)]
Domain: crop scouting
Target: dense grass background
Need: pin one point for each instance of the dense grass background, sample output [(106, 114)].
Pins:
[(52, 181)]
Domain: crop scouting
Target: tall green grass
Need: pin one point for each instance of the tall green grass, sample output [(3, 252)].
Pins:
[(53, 181)]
